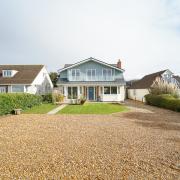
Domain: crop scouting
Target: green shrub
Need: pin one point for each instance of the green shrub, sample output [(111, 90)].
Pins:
[(47, 98), (9, 102), (164, 101)]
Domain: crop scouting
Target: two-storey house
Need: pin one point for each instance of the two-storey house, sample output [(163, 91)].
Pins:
[(93, 79)]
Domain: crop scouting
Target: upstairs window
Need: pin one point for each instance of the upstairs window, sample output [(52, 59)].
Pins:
[(75, 74), (107, 74), (7, 73), (91, 74)]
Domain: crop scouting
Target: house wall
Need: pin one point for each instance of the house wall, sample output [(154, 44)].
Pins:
[(120, 96), (42, 83), (137, 94), (91, 65)]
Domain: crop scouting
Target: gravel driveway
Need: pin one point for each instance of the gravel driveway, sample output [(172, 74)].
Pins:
[(143, 143)]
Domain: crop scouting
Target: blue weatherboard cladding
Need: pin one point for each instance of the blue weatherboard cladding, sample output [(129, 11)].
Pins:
[(91, 65)]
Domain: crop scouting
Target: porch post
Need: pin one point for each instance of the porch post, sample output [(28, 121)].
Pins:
[(78, 91), (65, 91)]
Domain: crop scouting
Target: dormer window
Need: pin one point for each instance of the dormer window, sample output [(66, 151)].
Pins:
[(7, 73)]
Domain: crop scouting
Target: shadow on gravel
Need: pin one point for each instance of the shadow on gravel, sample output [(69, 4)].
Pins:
[(156, 120)]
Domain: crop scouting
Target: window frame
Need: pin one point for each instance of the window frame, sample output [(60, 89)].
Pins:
[(91, 77), (72, 95), (7, 73), (116, 90), (106, 75), (74, 74), (109, 90)]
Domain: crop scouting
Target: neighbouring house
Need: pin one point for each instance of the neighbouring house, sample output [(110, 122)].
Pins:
[(140, 88), (33, 79), (178, 82), (93, 79)]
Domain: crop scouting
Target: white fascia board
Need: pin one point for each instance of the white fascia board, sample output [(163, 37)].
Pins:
[(90, 59)]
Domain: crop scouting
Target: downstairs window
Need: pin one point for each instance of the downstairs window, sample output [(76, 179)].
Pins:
[(72, 92)]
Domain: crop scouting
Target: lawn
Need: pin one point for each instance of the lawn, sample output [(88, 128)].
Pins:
[(42, 109), (93, 108)]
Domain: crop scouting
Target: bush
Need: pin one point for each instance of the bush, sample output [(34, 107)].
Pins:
[(164, 101), (162, 87), (9, 102), (82, 100), (48, 98), (58, 97)]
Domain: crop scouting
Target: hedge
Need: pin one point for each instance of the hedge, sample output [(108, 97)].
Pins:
[(9, 102), (164, 101)]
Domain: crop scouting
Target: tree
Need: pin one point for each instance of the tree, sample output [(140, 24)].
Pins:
[(54, 78)]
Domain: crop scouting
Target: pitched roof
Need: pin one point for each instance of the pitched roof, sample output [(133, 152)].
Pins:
[(146, 81), (66, 66), (25, 75)]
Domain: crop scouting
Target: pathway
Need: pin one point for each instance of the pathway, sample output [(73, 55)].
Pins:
[(54, 111)]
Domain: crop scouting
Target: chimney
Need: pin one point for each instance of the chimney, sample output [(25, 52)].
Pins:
[(119, 64)]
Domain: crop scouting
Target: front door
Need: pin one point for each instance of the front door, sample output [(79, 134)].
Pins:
[(91, 93)]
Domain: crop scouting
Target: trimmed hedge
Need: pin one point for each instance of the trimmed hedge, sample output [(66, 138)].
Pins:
[(165, 101), (9, 102)]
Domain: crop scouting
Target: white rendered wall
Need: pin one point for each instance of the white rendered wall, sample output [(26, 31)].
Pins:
[(137, 94)]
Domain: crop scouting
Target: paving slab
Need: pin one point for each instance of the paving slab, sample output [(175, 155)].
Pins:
[(54, 111)]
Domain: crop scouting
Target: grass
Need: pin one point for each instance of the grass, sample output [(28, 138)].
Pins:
[(93, 108), (41, 109)]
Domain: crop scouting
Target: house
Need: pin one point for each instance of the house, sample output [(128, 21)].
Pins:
[(33, 79), (178, 80), (178, 83), (93, 79), (140, 88)]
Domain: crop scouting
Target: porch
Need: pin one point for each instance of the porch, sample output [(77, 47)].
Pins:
[(104, 93)]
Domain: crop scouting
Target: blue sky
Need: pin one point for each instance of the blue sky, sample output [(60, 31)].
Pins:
[(144, 34)]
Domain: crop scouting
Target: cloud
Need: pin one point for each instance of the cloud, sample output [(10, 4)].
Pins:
[(144, 34)]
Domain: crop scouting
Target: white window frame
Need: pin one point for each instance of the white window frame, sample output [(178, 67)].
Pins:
[(110, 90), (75, 78), (106, 77), (7, 73), (90, 78)]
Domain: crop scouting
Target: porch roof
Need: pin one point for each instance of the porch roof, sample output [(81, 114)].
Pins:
[(117, 82)]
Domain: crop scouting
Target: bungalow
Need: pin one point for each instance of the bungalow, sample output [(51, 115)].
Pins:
[(93, 79), (140, 88), (33, 79)]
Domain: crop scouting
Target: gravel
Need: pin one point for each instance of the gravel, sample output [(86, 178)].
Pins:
[(143, 143)]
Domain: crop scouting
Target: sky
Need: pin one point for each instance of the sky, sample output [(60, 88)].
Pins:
[(144, 34)]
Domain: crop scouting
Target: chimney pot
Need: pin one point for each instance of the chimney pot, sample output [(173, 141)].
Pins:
[(119, 64)]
